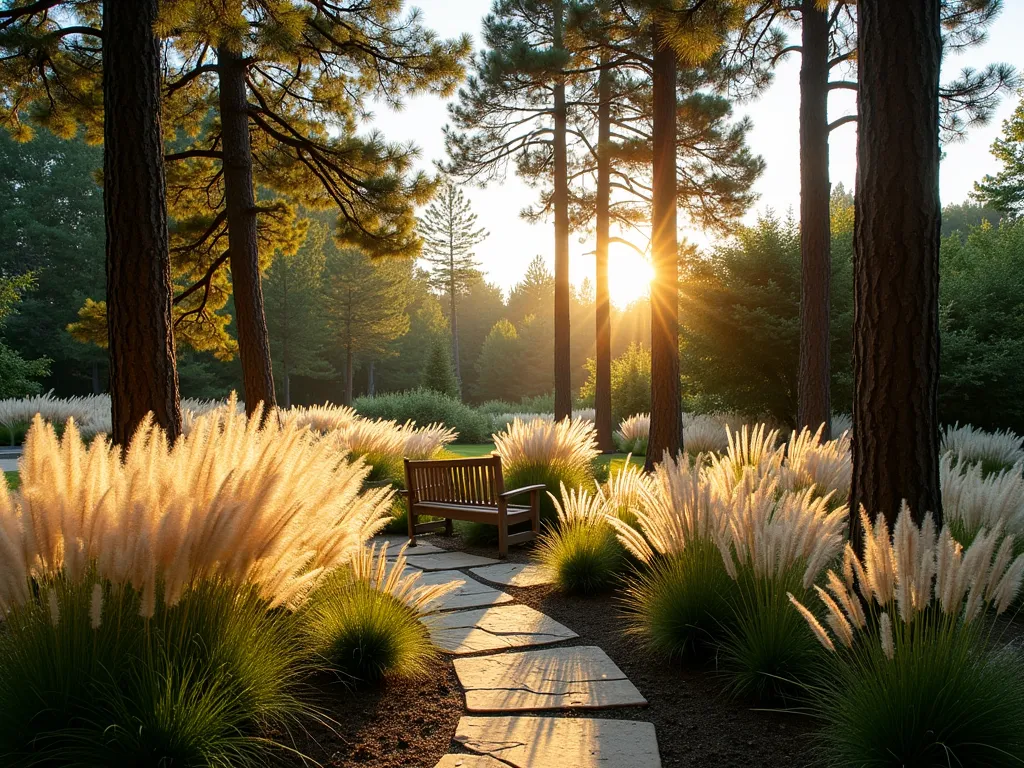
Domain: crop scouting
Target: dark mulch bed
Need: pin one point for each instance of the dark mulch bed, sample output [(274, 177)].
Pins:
[(406, 724), (410, 724)]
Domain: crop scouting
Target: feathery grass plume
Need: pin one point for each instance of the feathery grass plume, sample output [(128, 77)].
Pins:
[(842, 424), (366, 621), (972, 500), (319, 418), (917, 678), (776, 544), (822, 466), (633, 434), (548, 453), (581, 550), (426, 442), (502, 421), (995, 451), (920, 568), (271, 506), (679, 599), (751, 455), (772, 533), (704, 434), (624, 491)]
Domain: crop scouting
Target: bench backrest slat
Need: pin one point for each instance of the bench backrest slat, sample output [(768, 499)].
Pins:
[(476, 481)]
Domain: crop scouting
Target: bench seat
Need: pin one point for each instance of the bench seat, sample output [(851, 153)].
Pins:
[(471, 490)]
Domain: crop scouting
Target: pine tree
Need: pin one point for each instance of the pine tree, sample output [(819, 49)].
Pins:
[(293, 293), (896, 263), (18, 376), (439, 375), (828, 43), (449, 232), (1005, 190), (366, 306), (514, 109)]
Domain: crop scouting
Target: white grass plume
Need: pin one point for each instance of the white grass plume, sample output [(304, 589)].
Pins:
[(919, 567), (972, 501), (822, 466), (273, 507), (568, 444), (970, 445), (703, 433)]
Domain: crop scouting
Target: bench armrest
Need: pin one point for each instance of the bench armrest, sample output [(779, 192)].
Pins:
[(403, 492), (524, 489)]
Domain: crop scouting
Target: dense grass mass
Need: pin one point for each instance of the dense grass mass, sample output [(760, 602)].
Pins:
[(946, 698), (13, 480), (84, 680)]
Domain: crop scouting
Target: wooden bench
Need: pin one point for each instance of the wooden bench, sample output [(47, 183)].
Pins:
[(472, 490)]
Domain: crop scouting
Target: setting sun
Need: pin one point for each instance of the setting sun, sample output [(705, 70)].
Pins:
[(629, 275)]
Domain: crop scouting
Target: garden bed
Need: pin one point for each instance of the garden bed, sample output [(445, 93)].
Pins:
[(409, 725)]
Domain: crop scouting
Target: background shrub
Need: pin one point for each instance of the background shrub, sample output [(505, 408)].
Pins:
[(631, 383), (426, 407)]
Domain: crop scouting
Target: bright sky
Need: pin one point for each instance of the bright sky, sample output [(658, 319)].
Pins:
[(513, 242)]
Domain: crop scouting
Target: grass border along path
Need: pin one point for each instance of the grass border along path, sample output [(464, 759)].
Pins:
[(13, 481)]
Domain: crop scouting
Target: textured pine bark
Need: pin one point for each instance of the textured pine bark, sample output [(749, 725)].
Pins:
[(813, 401), (896, 262), (563, 382), (143, 375), (602, 304), (666, 409), (240, 202)]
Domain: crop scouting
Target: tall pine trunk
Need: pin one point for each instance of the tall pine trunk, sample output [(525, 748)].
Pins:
[(896, 262), (454, 326), (250, 320), (666, 410), (563, 381), (143, 374), (602, 303), (813, 402), (349, 373)]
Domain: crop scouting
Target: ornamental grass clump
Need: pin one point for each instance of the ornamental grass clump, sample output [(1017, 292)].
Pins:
[(365, 622), (972, 500), (776, 543), (751, 454), (158, 589), (679, 596), (914, 675), (704, 434), (547, 453), (823, 466), (581, 551), (995, 451), (633, 434)]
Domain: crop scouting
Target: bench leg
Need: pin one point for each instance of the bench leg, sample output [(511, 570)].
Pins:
[(449, 528), (411, 519), (502, 532)]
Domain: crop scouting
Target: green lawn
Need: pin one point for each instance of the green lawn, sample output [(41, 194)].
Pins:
[(12, 479), (615, 461), (470, 450)]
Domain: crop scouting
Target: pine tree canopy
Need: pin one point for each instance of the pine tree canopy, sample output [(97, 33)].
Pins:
[(312, 69), (1005, 190), (449, 233)]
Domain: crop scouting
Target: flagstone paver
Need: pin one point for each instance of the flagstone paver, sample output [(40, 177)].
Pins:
[(447, 561), (469, 593), (397, 541), (469, 761), (552, 678), (498, 628), (560, 742), (515, 574)]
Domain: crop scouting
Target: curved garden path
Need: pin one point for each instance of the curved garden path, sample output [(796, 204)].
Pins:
[(518, 691)]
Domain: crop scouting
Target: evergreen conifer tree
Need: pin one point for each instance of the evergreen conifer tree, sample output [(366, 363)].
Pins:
[(438, 375), (1005, 190), (449, 232)]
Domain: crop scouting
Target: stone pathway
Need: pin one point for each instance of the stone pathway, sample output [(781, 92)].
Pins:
[(515, 574), (485, 629), (581, 677)]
